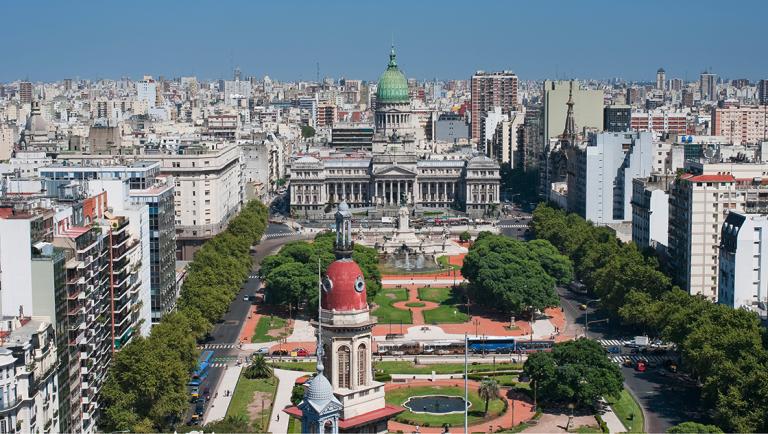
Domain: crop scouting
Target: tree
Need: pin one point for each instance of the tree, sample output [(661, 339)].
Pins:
[(297, 394), (489, 389), (694, 428), (230, 423), (291, 283), (259, 368), (465, 237), (307, 132)]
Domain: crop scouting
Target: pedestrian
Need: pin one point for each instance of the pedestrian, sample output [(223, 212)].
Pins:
[(278, 417)]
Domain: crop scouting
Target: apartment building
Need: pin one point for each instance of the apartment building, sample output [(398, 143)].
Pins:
[(743, 262), (661, 121), (700, 200), (741, 124), (489, 90), (208, 191), (600, 175), (29, 392), (650, 211)]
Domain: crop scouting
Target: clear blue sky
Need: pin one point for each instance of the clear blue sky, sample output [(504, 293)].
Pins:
[(50, 40)]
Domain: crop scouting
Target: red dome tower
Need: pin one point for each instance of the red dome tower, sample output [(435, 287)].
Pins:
[(344, 283)]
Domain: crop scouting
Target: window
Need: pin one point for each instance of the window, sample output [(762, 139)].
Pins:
[(344, 367), (362, 362)]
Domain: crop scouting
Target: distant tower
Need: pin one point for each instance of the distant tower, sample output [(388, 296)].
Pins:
[(238, 74), (570, 124), (661, 79)]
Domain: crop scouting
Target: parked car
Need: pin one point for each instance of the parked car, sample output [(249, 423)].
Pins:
[(207, 393), (262, 350), (280, 353), (200, 407), (300, 352)]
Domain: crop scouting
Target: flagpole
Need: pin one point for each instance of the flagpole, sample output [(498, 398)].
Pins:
[(466, 388)]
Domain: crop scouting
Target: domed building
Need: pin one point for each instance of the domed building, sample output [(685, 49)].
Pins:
[(396, 173), (343, 396)]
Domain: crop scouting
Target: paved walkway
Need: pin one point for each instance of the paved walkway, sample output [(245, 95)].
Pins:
[(249, 326), (302, 331), (613, 422), (278, 422), (553, 423), (219, 404)]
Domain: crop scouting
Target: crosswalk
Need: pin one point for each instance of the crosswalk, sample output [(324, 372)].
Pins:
[(253, 276), (216, 346), (610, 342), (634, 358), (280, 234), (219, 365)]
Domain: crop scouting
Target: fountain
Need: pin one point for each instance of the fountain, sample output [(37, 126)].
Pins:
[(436, 404)]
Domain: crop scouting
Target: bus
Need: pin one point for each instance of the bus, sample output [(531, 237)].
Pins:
[(201, 372), (508, 345)]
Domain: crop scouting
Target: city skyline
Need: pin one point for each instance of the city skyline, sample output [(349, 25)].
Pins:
[(592, 39)]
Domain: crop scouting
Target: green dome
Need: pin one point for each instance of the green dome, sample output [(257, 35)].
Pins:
[(393, 86)]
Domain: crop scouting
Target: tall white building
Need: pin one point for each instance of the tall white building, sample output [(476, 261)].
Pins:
[(235, 90), (146, 91), (744, 261), (600, 175), (650, 211)]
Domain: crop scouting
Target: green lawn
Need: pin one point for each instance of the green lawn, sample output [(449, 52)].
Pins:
[(441, 368), (450, 307), (628, 411), (296, 366), (587, 429), (444, 263), (385, 313), (415, 304), (243, 396), (265, 325), (294, 426), (399, 396)]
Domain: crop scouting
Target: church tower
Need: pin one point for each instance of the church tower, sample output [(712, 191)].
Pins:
[(345, 338)]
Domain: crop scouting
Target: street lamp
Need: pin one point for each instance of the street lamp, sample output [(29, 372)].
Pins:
[(586, 315)]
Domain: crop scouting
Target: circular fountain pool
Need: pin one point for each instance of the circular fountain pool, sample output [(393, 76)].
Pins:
[(435, 404)]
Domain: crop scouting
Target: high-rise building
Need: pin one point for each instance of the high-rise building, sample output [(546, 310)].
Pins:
[(698, 204), (746, 124), (146, 91), (616, 118), (676, 84), (762, 92), (650, 211), (708, 86), (600, 175), (25, 92), (489, 90), (661, 79), (742, 260), (235, 90)]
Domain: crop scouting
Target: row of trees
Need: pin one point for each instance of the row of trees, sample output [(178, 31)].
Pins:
[(515, 275), (575, 372), (724, 348), (291, 274), (146, 387)]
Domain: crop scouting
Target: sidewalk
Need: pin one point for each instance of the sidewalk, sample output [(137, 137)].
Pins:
[(218, 408), (279, 424), (613, 422)]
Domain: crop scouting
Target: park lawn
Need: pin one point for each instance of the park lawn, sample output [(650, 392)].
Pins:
[(243, 396), (445, 315), (437, 295), (399, 396), (628, 411), (441, 368), (265, 325), (295, 366), (445, 263), (385, 313)]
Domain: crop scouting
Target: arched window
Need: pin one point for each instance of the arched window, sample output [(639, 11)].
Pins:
[(344, 367), (362, 365)]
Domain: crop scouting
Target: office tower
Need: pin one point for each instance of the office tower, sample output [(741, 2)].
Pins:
[(700, 200), (708, 86), (616, 118), (676, 84), (29, 402), (762, 92), (489, 90), (600, 187), (661, 79), (533, 132), (235, 90), (237, 75), (67, 84), (746, 124), (742, 260), (25, 92)]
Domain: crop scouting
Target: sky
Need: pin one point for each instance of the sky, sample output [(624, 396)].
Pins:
[(50, 40)]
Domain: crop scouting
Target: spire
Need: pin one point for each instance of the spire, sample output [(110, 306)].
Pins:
[(392, 56), (570, 125)]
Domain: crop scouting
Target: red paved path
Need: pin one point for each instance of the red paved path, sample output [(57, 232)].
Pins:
[(519, 411), (416, 312)]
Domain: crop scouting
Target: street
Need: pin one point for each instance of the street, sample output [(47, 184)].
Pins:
[(666, 398), (225, 333)]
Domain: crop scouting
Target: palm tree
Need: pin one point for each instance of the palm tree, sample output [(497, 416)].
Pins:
[(489, 389), (259, 368)]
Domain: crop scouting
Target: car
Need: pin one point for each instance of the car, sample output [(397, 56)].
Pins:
[(280, 353), (300, 352), (200, 407), (246, 298), (207, 393), (262, 350), (582, 307), (641, 365), (671, 366)]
